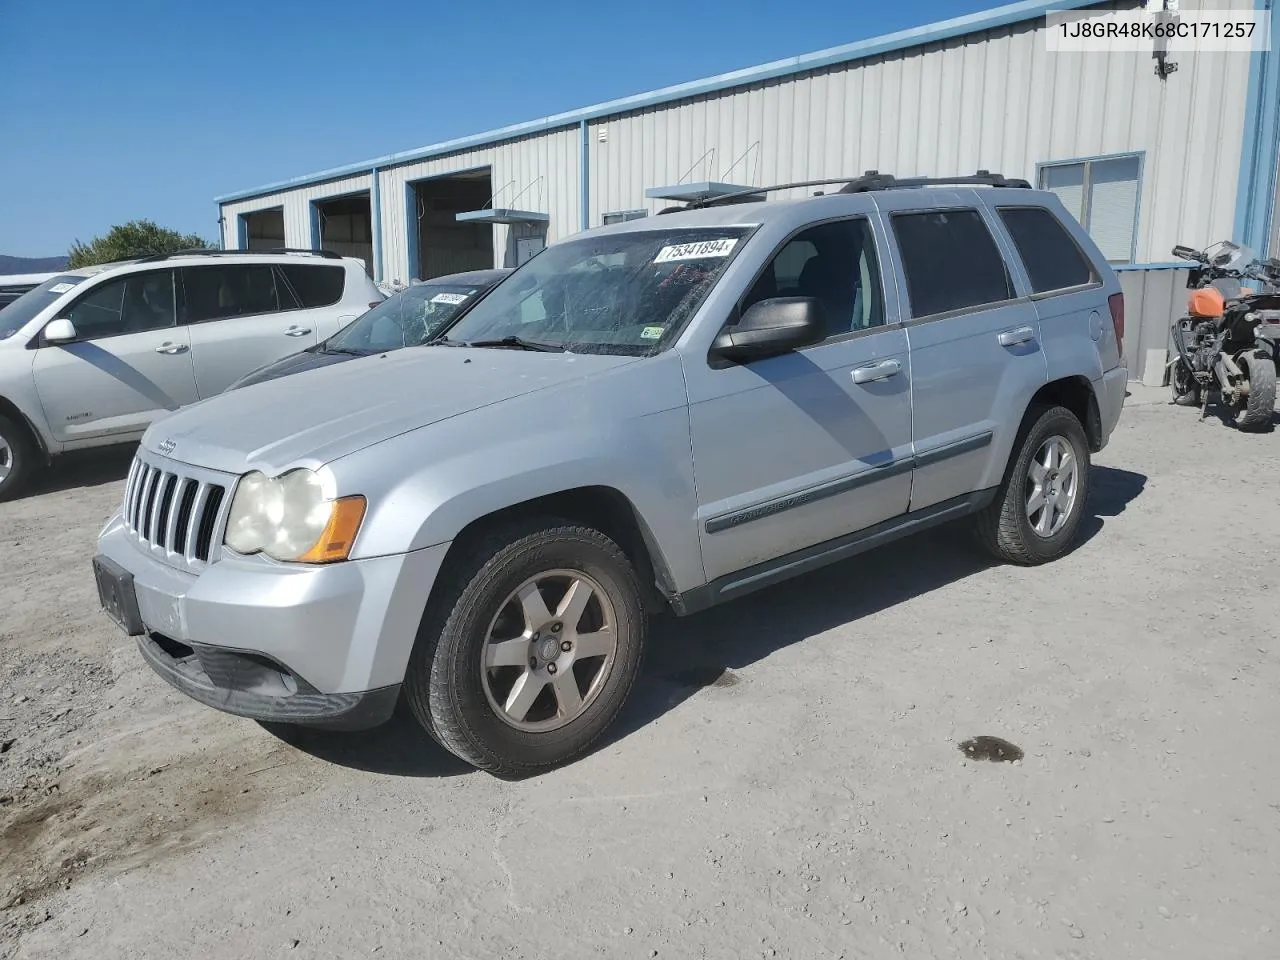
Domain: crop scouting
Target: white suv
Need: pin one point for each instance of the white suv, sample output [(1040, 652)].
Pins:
[(90, 357)]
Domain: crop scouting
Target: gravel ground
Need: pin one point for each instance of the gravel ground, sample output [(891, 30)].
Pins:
[(785, 782)]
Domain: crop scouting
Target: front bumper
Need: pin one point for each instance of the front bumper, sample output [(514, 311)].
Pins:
[(251, 685), (286, 642)]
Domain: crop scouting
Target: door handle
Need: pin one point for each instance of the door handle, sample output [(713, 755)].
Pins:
[(296, 332), (877, 371), (169, 349), (1011, 338)]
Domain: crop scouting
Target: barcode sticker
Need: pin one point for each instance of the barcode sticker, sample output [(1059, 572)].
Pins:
[(62, 287), (701, 250), (454, 298)]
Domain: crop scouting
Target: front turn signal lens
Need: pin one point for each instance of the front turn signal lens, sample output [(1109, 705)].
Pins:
[(339, 534)]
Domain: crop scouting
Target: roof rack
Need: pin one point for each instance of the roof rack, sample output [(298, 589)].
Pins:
[(871, 180), (215, 252), (875, 180)]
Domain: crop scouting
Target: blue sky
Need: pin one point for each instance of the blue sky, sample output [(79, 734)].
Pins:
[(118, 109)]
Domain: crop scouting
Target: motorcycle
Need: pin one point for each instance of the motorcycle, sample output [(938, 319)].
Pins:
[(1228, 343)]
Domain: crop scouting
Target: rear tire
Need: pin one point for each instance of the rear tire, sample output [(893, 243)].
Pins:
[(17, 458), (1037, 510), (1260, 405), (507, 673)]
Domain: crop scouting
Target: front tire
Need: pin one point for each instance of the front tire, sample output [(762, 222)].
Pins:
[(1256, 413), (530, 648), (17, 458), (1040, 504)]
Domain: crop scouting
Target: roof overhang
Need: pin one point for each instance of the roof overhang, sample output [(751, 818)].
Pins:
[(503, 215), (697, 192)]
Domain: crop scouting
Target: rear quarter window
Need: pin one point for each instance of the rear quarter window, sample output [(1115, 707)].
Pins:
[(951, 261), (1051, 256), (315, 285)]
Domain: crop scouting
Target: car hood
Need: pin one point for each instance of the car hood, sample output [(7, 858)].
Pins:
[(294, 363), (320, 415)]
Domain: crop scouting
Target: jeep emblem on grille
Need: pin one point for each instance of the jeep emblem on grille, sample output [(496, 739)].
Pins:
[(166, 447)]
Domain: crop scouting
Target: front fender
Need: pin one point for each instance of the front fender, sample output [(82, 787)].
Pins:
[(449, 475), (18, 396)]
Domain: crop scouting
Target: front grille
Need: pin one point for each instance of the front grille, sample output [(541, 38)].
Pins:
[(175, 511)]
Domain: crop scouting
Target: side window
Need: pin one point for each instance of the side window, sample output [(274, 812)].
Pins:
[(951, 261), (315, 285), (216, 292), (131, 304), (836, 264), (1052, 259)]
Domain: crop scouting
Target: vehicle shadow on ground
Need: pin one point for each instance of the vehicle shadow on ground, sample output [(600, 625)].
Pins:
[(90, 468), (688, 654), (398, 748)]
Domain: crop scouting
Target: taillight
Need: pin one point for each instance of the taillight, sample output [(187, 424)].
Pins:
[(1116, 303)]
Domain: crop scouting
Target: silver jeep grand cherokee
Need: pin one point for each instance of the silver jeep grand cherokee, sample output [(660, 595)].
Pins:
[(662, 414)]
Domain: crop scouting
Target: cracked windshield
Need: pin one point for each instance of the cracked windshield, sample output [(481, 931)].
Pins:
[(626, 294)]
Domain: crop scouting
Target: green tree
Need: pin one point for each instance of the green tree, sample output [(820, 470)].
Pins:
[(127, 241)]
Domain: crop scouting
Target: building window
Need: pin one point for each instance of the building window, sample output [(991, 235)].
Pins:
[(622, 216), (1103, 195)]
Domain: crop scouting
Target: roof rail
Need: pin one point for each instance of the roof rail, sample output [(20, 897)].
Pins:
[(875, 180), (327, 254), (871, 180), (751, 195), (215, 252)]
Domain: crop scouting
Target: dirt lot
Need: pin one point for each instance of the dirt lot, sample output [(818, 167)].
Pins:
[(786, 781)]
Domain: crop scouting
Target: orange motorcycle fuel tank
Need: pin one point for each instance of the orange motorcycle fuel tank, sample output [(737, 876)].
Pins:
[(1206, 302)]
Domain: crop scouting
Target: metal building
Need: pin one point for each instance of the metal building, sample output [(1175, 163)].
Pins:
[(1144, 160)]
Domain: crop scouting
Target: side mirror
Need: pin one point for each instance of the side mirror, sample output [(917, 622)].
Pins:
[(770, 327), (61, 330)]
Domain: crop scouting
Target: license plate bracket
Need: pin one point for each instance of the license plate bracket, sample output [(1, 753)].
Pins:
[(118, 595)]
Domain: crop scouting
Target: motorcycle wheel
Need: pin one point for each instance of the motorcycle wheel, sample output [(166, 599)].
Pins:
[(1185, 389), (1256, 413)]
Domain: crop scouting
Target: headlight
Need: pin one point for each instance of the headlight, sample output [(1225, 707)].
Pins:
[(289, 518)]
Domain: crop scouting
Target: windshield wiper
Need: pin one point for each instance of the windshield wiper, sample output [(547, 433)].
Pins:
[(348, 351), (518, 343)]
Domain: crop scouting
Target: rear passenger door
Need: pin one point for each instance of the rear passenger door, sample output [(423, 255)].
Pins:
[(1075, 335), (241, 317), (320, 290), (976, 359)]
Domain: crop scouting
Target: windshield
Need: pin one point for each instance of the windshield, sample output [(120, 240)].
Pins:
[(622, 293), (21, 312), (407, 319)]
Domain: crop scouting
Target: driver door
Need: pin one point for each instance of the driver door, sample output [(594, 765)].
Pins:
[(797, 449), (130, 361)]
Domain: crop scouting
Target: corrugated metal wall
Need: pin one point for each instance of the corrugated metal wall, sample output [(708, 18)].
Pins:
[(1152, 299), (297, 209), (997, 100), (547, 165)]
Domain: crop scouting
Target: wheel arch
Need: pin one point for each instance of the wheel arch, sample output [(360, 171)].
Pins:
[(601, 507), (1076, 394), (13, 412)]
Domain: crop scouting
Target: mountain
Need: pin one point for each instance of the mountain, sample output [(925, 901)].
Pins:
[(11, 265)]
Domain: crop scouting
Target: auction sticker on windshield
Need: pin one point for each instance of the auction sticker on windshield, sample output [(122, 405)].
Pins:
[(703, 249), (453, 298)]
